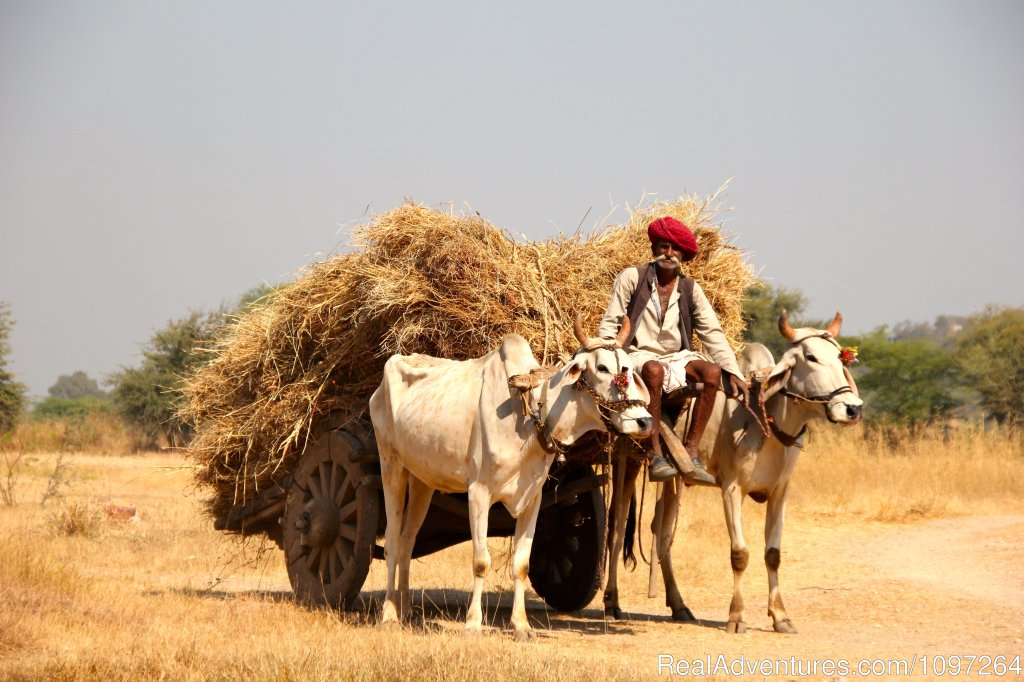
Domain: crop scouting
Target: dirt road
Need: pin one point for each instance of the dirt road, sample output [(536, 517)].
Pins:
[(855, 591)]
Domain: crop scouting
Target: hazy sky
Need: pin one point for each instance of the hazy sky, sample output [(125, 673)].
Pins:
[(162, 157)]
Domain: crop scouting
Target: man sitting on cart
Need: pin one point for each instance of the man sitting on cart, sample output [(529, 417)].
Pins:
[(665, 308)]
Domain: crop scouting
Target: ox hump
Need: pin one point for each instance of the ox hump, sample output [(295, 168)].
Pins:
[(754, 357), (516, 355)]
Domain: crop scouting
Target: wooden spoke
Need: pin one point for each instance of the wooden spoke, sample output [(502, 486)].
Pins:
[(345, 512), (347, 531), (346, 485), (322, 567), (335, 562), (323, 479), (314, 486), (313, 558)]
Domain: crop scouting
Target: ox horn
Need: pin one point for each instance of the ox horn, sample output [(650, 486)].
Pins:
[(833, 327), (581, 335), (784, 327), (623, 335)]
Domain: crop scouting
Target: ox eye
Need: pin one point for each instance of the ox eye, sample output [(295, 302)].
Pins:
[(811, 358), (602, 369)]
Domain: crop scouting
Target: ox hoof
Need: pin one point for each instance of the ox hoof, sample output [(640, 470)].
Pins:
[(735, 627), (785, 627), (683, 615), (613, 611), (524, 636)]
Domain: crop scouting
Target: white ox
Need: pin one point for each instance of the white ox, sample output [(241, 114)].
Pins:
[(808, 383), (456, 427)]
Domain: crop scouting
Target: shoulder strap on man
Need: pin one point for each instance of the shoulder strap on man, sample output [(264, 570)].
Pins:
[(638, 300), (686, 311)]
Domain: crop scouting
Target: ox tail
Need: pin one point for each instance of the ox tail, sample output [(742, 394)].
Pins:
[(628, 557)]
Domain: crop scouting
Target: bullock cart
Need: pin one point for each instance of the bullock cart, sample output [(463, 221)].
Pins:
[(282, 439), (328, 517)]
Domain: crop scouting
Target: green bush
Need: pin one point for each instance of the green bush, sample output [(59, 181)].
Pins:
[(12, 393), (71, 408), (990, 361)]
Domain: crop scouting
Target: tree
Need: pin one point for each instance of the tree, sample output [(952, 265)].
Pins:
[(943, 329), (761, 309), (12, 393), (910, 381), (146, 396), (77, 385), (990, 360), (253, 298)]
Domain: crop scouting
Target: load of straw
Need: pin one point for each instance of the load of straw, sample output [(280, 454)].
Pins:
[(418, 281)]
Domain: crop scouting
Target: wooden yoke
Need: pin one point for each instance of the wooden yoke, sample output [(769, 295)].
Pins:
[(521, 384)]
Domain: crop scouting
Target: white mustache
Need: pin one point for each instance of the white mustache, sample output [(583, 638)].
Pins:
[(668, 259)]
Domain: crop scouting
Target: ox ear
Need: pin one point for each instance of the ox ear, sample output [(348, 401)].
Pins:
[(779, 375), (573, 372), (641, 388)]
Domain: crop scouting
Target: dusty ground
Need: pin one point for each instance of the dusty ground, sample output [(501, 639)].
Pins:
[(855, 591), (170, 597)]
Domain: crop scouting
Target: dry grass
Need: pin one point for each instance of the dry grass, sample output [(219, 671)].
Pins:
[(419, 281), (171, 598), (967, 471), (95, 432)]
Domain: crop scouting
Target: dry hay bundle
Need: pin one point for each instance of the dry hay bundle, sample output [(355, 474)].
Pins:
[(420, 281)]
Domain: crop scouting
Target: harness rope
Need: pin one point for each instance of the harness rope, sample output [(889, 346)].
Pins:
[(540, 376)]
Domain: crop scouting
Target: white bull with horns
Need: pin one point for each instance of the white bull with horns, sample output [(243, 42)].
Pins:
[(457, 427), (753, 451)]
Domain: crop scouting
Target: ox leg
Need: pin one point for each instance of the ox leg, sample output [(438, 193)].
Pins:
[(479, 506), (415, 511), (672, 496), (732, 499), (394, 481), (775, 515), (623, 486), (526, 526)]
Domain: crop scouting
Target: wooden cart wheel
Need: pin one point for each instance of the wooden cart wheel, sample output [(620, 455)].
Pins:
[(565, 563), (330, 521)]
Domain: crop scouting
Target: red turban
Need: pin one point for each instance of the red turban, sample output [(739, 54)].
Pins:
[(672, 230)]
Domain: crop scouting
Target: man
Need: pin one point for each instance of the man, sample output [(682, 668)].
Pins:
[(664, 308)]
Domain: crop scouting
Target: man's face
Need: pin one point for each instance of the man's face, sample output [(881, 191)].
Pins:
[(667, 255)]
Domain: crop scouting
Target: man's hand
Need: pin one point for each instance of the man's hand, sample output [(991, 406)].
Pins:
[(736, 388)]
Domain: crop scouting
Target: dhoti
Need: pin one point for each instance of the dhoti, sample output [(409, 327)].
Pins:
[(673, 363)]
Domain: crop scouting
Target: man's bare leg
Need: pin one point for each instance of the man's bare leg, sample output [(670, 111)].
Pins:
[(710, 375), (653, 375)]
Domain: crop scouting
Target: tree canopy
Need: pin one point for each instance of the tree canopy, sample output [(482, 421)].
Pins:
[(76, 385), (761, 309), (12, 393), (909, 381), (990, 359), (146, 395)]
